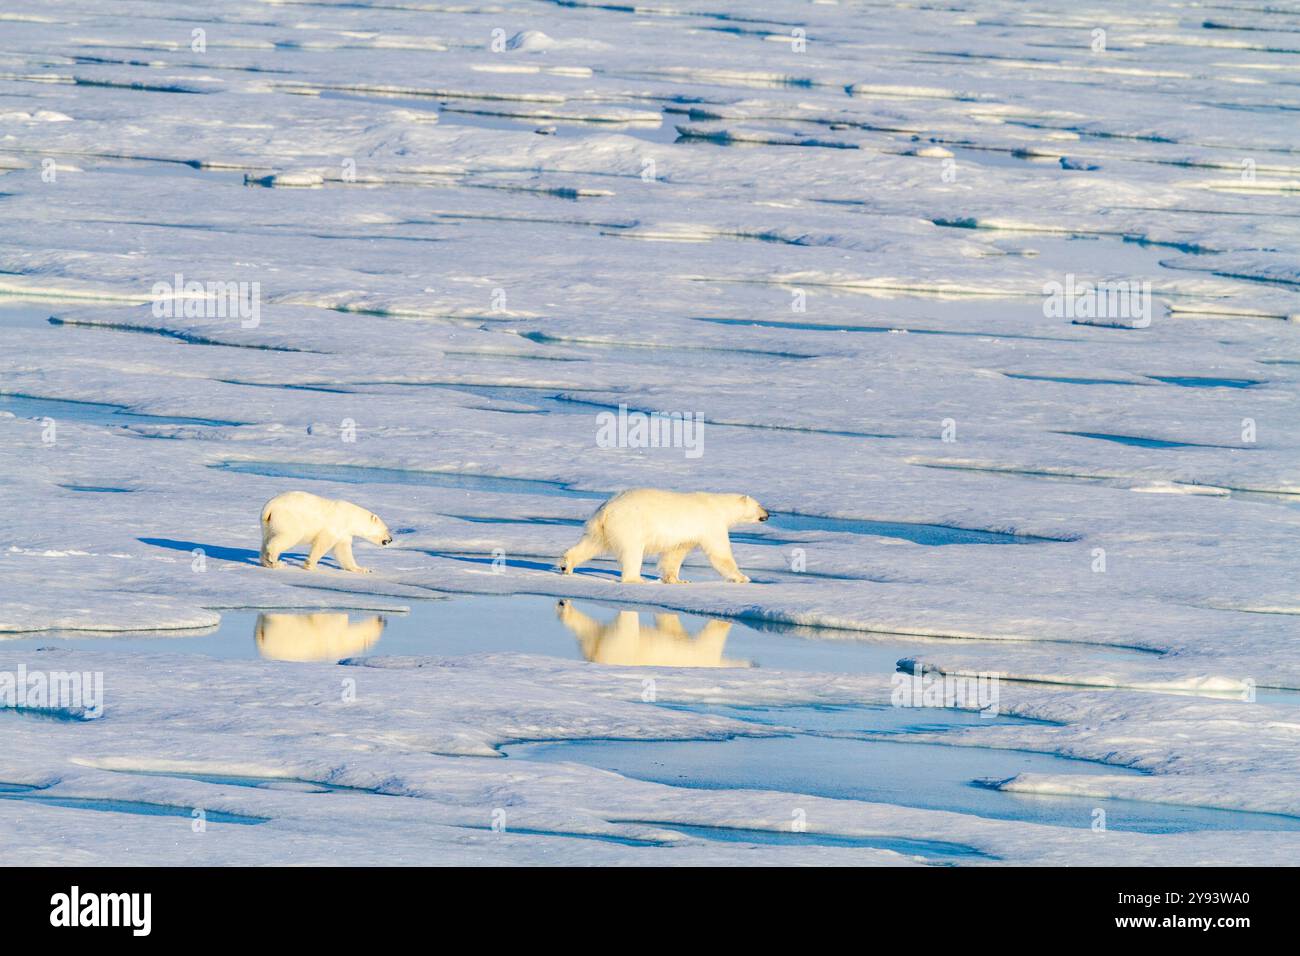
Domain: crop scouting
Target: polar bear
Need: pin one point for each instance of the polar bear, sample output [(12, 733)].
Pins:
[(626, 642), (670, 524), (297, 516), (315, 637)]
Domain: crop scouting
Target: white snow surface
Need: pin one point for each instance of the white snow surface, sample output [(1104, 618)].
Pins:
[(466, 295)]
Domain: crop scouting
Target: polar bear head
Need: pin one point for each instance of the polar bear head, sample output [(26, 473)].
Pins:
[(367, 524), (746, 509), (376, 531)]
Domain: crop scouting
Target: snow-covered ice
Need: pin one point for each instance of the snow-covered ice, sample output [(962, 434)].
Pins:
[(831, 230)]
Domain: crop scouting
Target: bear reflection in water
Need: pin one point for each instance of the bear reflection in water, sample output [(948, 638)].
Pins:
[(626, 641), (315, 637)]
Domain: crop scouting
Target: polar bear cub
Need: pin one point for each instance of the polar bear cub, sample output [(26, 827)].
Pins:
[(298, 516), (670, 524)]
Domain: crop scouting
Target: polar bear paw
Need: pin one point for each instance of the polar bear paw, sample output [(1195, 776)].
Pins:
[(739, 579), (673, 580)]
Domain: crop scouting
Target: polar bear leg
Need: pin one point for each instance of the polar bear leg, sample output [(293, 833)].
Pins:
[(580, 553), (273, 546), (718, 551), (343, 551), (319, 546), (670, 563), (629, 559)]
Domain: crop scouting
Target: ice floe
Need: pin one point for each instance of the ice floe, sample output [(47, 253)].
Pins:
[(832, 237)]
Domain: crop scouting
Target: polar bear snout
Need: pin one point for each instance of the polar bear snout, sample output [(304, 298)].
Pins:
[(751, 510), (378, 532)]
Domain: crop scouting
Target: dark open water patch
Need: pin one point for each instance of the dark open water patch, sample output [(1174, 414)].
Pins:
[(290, 784), (1071, 380), (1006, 158), (189, 338), (1193, 381), (927, 534), (93, 413), (330, 389), (572, 834), (547, 395), (889, 770), (896, 329), (1140, 442), (939, 849), (544, 338), (134, 807), (57, 714)]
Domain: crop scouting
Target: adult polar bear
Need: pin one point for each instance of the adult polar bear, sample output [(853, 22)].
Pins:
[(670, 524), (298, 516)]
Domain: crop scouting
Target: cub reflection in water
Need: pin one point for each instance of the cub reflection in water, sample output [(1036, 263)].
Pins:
[(626, 641), (315, 637)]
